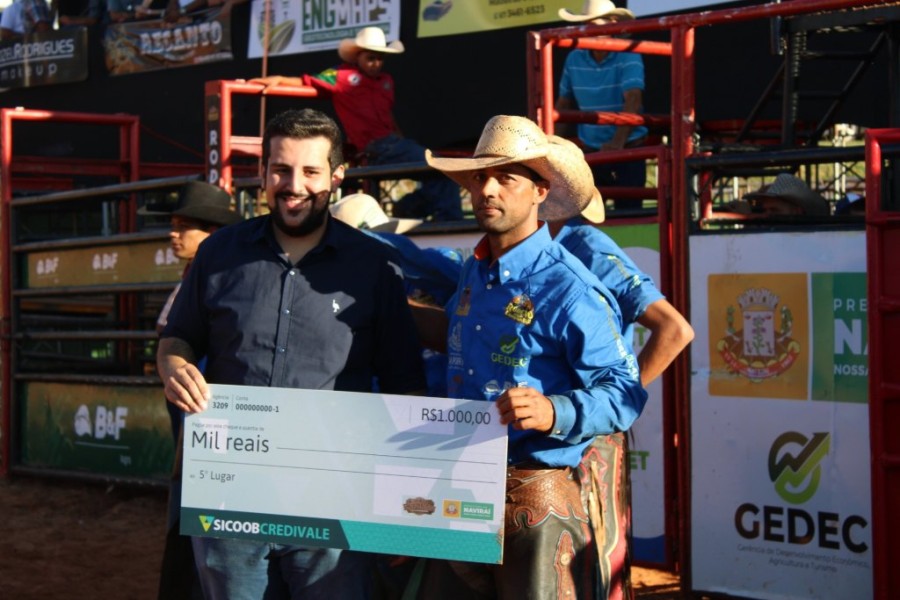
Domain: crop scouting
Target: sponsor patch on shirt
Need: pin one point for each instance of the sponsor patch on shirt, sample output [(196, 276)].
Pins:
[(465, 302), (520, 309)]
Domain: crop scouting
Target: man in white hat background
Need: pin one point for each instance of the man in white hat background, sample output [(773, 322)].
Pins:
[(532, 330), (363, 97), (597, 80)]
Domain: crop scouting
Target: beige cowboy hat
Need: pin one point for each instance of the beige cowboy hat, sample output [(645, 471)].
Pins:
[(362, 211), (599, 11), (793, 190), (367, 38), (507, 140)]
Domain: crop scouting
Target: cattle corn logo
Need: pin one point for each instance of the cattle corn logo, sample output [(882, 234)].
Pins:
[(763, 347), (796, 476), (520, 309)]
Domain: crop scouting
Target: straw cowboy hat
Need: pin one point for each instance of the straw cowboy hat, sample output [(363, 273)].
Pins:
[(793, 190), (367, 38), (599, 11), (201, 202), (364, 212), (506, 140)]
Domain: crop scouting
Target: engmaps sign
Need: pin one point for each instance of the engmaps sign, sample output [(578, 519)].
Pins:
[(44, 59)]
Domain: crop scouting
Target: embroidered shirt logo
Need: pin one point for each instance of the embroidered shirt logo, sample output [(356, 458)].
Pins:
[(335, 306), (354, 79), (520, 309), (465, 302)]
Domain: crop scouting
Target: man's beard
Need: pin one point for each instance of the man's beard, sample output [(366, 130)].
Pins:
[(318, 212)]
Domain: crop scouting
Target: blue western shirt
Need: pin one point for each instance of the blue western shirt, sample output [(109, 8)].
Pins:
[(536, 316), (633, 289), (337, 320), (601, 87)]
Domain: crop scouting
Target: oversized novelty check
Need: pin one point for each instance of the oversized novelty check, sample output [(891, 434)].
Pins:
[(402, 475)]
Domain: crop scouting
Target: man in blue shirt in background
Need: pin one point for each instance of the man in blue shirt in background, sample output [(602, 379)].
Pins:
[(597, 80)]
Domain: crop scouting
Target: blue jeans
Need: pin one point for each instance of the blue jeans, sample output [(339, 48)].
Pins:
[(438, 195), (249, 570)]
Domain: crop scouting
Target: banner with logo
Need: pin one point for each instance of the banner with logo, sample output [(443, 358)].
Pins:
[(445, 17), (781, 491), (312, 25), (44, 58), (104, 430), (140, 46), (138, 262)]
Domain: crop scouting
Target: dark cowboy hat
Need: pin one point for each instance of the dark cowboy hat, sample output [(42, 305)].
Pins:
[(201, 202), (790, 188)]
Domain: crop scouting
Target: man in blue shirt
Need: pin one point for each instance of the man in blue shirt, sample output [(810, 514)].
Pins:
[(531, 329), (597, 80), (295, 299)]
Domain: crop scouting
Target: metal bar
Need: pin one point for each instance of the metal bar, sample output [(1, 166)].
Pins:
[(705, 18), (125, 238), (618, 45), (107, 334), (776, 157), (611, 118), (6, 283), (94, 290), (106, 190)]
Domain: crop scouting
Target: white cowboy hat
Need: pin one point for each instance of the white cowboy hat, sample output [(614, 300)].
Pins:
[(600, 11), (362, 211), (367, 38), (506, 140)]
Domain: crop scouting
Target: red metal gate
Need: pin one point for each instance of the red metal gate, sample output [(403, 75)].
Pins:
[(882, 249)]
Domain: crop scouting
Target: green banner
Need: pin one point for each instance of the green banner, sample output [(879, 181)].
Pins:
[(105, 430), (445, 17), (840, 327), (143, 262)]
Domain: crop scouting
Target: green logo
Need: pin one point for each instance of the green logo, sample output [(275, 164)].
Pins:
[(206, 521), (477, 510), (789, 472)]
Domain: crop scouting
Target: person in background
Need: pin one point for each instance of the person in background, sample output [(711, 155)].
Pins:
[(787, 195), (532, 330), (200, 211), (597, 80), (25, 17), (342, 324), (363, 97)]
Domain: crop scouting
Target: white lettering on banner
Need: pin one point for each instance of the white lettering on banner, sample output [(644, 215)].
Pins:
[(326, 14), (37, 50), (213, 158), (181, 38), (109, 423), (850, 337)]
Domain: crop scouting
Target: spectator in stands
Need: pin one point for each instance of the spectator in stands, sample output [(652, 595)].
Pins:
[(177, 7), (851, 204), (363, 97), (74, 13), (27, 17), (11, 25), (787, 195), (597, 80)]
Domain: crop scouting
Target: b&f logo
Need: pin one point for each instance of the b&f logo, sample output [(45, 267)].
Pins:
[(795, 465)]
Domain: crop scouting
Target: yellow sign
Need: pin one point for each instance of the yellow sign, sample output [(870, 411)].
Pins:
[(759, 332), (449, 17), (141, 262)]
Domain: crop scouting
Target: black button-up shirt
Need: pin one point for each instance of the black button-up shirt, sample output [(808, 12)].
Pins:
[(337, 320)]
